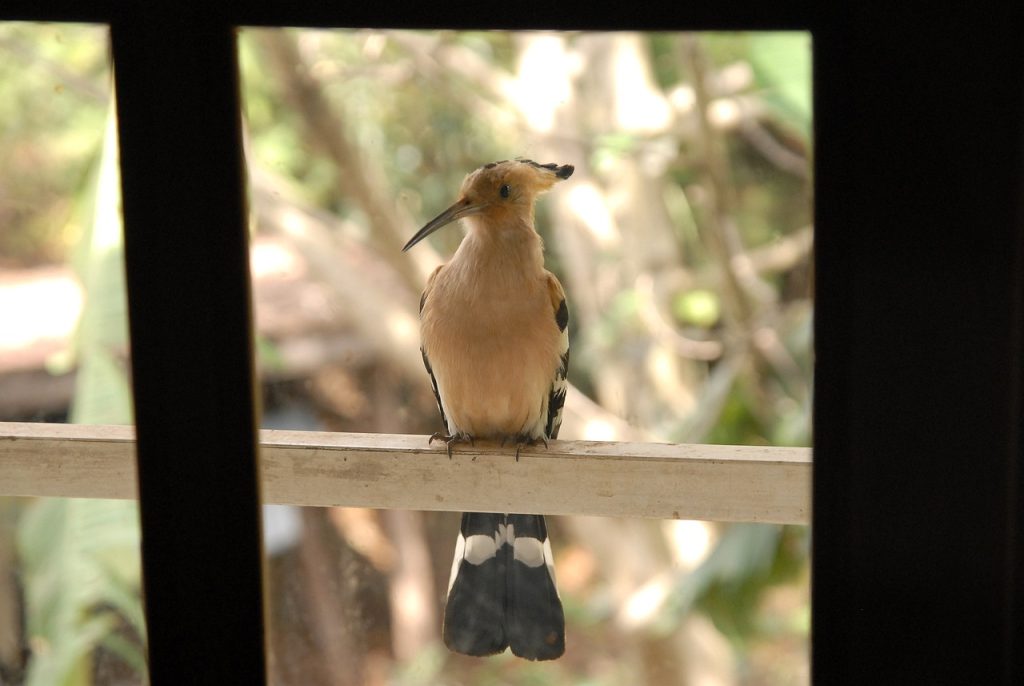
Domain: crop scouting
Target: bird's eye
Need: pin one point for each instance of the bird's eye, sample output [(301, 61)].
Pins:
[(504, 191)]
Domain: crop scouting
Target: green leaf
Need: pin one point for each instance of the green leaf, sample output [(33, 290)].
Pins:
[(81, 558), (102, 395), (728, 583), (782, 66), (67, 548), (698, 307)]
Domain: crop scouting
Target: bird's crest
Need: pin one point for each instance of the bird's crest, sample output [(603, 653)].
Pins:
[(525, 178)]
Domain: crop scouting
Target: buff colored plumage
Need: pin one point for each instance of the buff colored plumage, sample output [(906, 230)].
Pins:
[(494, 331)]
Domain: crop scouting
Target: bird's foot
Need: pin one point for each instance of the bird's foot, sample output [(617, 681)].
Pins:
[(451, 440), (522, 441)]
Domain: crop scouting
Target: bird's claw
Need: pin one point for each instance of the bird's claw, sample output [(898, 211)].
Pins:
[(450, 440), (529, 442)]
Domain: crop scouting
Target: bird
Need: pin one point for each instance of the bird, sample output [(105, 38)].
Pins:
[(495, 344)]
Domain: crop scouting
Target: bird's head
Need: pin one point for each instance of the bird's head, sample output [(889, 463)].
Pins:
[(500, 192)]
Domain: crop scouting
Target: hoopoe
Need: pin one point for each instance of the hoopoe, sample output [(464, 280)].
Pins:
[(495, 342)]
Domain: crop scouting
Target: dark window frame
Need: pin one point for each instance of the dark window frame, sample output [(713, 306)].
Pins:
[(919, 165)]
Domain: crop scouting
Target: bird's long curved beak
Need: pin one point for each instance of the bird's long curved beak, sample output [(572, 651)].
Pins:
[(463, 208)]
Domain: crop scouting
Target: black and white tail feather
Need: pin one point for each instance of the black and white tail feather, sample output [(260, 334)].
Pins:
[(502, 591)]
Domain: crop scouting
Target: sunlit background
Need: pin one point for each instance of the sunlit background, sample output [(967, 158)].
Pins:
[(684, 243)]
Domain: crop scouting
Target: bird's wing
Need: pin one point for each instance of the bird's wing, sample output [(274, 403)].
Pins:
[(426, 360), (534, 619), (559, 385)]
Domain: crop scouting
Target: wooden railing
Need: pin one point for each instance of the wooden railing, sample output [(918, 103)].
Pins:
[(710, 482)]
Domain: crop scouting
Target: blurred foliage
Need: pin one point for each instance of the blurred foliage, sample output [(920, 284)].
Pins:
[(53, 101), (423, 112), (699, 307), (81, 564), (81, 574), (387, 114), (422, 109), (729, 583), (783, 68)]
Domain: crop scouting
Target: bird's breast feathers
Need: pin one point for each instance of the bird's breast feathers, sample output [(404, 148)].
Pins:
[(493, 359)]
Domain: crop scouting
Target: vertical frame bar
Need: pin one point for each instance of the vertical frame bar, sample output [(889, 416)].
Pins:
[(920, 151), (186, 250)]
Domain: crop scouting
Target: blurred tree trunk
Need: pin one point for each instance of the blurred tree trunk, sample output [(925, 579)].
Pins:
[(611, 225), (611, 230), (415, 622), (361, 179), (332, 605)]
